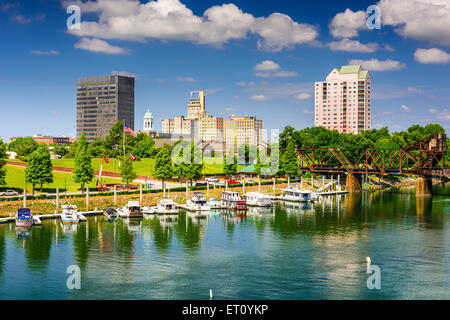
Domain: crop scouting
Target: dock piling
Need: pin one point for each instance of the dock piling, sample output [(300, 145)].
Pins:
[(115, 195), (57, 200), (140, 194), (87, 198), (24, 198)]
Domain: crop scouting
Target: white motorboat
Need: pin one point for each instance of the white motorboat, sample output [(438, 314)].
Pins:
[(197, 203), (257, 199), (165, 206), (233, 201), (70, 214), (214, 203), (131, 210), (297, 195)]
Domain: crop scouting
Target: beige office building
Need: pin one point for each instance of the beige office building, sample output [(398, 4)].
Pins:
[(210, 128), (242, 130)]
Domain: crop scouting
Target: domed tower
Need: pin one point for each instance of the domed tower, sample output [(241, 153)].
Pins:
[(148, 121)]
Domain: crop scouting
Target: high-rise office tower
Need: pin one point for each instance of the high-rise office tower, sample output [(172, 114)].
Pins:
[(101, 102), (197, 104), (242, 130), (342, 102)]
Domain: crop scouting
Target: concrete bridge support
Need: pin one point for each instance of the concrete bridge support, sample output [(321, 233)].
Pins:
[(424, 186), (354, 182)]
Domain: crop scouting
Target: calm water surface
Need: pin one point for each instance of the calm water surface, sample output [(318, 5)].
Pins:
[(291, 252)]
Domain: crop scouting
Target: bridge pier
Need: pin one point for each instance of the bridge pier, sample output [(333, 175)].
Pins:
[(424, 186), (354, 182)]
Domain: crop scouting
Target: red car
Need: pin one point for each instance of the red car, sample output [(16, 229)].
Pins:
[(232, 182)]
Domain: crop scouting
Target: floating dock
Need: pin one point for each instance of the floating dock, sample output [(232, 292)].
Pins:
[(38, 218)]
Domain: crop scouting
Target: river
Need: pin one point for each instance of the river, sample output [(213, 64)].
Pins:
[(314, 251)]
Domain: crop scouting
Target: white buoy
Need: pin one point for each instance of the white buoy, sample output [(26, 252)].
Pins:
[(210, 294), (368, 261)]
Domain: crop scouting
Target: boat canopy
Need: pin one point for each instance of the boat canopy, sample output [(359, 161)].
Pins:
[(24, 212), (133, 204)]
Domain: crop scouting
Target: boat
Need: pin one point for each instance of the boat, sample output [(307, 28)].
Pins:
[(257, 199), (24, 218), (70, 214), (232, 200), (131, 210), (165, 206), (197, 203), (297, 195), (110, 213), (214, 203)]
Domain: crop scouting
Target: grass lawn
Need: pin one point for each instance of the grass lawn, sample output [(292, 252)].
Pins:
[(15, 179), (142, 167)]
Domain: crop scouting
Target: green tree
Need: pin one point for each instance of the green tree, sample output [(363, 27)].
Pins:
[(59, 150), (195, 167), (72, 150), (39, 169), (163, 166), (24, 147), (97, 148), (144, 146), (127, 172), (3, 157), (83, 172), (230, 166), (290, 162)]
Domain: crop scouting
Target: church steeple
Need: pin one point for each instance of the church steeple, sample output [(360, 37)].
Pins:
[(148, 121)]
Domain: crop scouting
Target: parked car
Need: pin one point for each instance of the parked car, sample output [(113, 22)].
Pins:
[(251, 181), (212, 179), (201, 184), (9, 193), (232, 181)]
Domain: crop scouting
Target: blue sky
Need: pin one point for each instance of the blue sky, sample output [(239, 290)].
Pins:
[(220, 47)]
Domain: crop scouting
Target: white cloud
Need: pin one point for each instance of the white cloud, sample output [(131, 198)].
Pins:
[(270, 69), (267, 65), (346, 24), (352, 46), (405, 108), (245, 84), (386, 113), (279, 31), (45, 53), (427, 20), (308, 111), (302, 96), (433, 55), (441, 114), (259, 97), (99, 46), (172, 20), (377, 65), (186, 79)]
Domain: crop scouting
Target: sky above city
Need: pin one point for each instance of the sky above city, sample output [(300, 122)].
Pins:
[(253, 58)]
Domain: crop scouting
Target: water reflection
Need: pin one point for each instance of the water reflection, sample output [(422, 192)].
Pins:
[(293, 250)]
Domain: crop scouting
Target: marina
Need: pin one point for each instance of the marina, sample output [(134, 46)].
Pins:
[(294, 250)]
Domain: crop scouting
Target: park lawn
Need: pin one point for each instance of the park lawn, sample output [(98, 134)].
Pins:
[(15, 179), (142, 167)]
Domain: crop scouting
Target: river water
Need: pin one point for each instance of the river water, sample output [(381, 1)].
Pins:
[(290, 252)]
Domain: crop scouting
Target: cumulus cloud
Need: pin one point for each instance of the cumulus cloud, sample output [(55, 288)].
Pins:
[(259, 97), (377, 65), (245, 84), (427, 20), (45, 53), (352, 46), (270, 69), (424, 20), (405, 108), (172, 20), (346, 24), (308, 111), (267, 65), (99, 46), (433, 55)]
